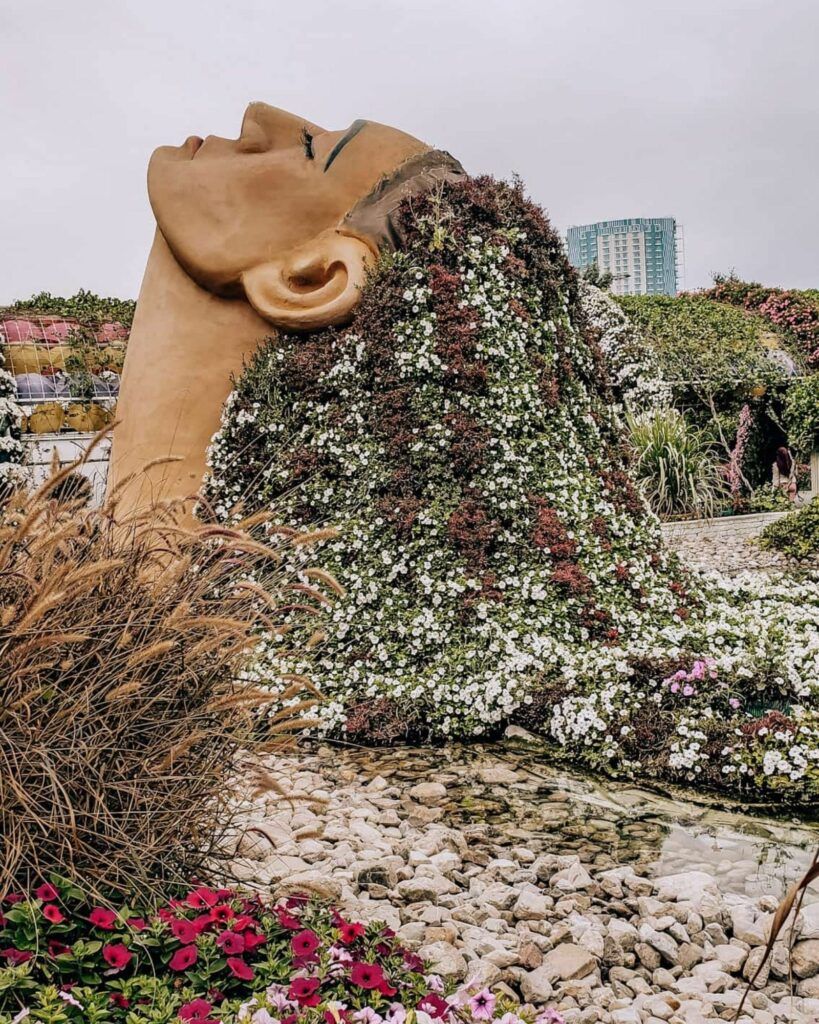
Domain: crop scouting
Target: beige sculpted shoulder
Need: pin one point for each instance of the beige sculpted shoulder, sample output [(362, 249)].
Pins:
[(275, 229)]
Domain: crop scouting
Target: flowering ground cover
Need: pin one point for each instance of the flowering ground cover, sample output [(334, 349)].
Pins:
[(497, 561), (214, 955)]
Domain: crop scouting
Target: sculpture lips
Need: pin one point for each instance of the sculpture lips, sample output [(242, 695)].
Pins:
[(192, 144)]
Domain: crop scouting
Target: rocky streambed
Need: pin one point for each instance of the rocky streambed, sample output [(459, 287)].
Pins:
[(609, 902)]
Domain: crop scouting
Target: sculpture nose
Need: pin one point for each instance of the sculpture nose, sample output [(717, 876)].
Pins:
[(279, 127)]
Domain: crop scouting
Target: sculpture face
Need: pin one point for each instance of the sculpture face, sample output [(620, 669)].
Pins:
[(229, 207)]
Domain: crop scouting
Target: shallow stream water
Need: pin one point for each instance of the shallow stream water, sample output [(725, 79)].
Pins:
[(516, 792)]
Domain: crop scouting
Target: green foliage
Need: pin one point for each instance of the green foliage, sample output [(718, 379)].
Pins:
[(797, 535), (706, 348), (768, 499), (69, 958), (801, 414), (85, 306), (594, 276), (674, 465)]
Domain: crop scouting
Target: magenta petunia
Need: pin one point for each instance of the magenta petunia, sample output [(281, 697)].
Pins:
[(305, 943), (117, 955), (195, 1011), (46, 892), (52, 913), (103, 918), (239, 969), (367, 975), (304, 991), (16, 956), (185, 931), (202, 897), (350, 931), (183, 958), (230, 942), (434, 1005)]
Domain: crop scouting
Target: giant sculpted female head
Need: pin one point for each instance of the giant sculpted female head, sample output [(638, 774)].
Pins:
[(277, 227), (271, 215)]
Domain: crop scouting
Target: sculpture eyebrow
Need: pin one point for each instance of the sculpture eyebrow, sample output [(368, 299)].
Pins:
[(348, 136)]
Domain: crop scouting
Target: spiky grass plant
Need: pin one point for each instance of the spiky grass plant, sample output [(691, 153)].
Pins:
[(122, 709), (674, 466)]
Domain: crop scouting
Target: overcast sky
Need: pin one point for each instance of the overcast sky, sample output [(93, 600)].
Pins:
[(704, 110)]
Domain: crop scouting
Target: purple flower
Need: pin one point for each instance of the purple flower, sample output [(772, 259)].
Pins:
[(482, 1005)]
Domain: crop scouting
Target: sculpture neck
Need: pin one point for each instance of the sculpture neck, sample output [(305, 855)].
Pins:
[(184, 347)]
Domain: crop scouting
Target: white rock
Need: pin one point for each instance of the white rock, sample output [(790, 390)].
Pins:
[(428, 793), (536, 986), (571, 879), (425, 887), (444, 959), (687, 885), (531, 906), (568, 961)]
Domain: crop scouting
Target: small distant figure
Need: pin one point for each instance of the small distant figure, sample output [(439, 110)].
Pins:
[(784, 473)]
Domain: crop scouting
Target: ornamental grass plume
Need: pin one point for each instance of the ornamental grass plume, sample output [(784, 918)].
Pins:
[(121, 647)]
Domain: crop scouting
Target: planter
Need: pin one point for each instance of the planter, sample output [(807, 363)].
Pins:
[(46, 418)]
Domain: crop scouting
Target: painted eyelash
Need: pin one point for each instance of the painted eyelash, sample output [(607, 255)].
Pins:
[(307, 142)]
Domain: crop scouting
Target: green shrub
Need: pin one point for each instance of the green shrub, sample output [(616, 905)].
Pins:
[(674, 466), (85, 306), (801, 414), (797, 535), (707, 348)]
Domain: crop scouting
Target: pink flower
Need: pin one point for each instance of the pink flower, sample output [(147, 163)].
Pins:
[(239, 969), (305, 943), (46, 892), (100, 917), (56, 948), (434, 1005), (116, 955), (185, 931), (367, 975), (349, 932), (688, 690), (137, 924), (183, 958), (196, 1011), (287, 920), (482, 1005), (231, 942), (304, 991), (733, 702), (52, 913), (16, 956), (201, 898), (252, 940)]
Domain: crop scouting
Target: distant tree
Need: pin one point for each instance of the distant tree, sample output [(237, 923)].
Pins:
[(592, 274)]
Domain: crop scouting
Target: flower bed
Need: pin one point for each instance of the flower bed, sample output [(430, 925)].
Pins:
[(793, 311), (497, 560), (215, 955)]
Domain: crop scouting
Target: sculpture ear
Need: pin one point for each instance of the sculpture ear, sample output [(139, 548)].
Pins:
[(314, 286)]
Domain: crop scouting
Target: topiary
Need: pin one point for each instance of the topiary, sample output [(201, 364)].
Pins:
[(499, 563), (461, 432)]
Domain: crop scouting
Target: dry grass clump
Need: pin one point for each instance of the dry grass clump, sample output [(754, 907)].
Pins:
[(121, 708)]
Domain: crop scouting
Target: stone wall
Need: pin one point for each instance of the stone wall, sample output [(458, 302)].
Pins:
[(725, 544)]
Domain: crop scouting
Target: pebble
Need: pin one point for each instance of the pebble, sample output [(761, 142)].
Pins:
[(499, 904)]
